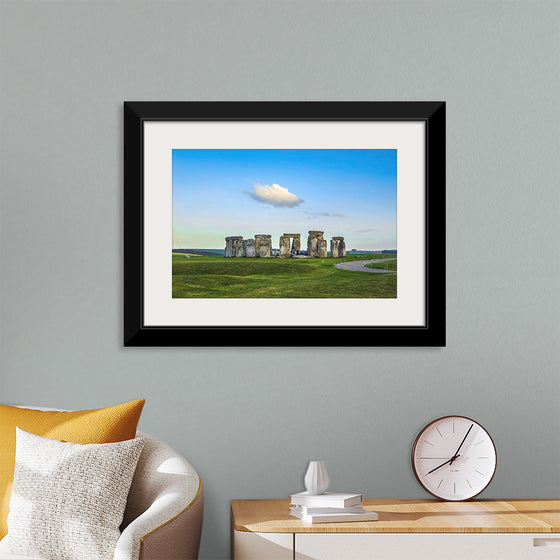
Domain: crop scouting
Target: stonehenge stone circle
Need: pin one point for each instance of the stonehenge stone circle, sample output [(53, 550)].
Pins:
[(290, 245)]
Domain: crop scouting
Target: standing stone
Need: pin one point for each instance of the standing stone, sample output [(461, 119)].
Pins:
[(311, 246), (312, 242), (231, 245), (296, 243), (285, 246), (263, 245), (338, 248), (322, 248), (240, 248), (250, 248), (334, 248), (341, 248)]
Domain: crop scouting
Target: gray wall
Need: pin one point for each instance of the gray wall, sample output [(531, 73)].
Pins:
[(249, 419)]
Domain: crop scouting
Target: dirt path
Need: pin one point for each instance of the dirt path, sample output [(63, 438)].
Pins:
[(360, 266)]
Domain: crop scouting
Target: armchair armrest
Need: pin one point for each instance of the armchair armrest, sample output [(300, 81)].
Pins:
[(163, 517), (178, 538)]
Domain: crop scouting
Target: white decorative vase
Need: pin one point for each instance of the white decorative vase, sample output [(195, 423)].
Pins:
[(316, 478)]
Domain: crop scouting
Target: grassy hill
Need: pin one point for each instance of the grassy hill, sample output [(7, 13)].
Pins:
[(218, 277)]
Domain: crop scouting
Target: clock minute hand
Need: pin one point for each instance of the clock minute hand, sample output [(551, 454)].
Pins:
[(443, 464), (461, 445)]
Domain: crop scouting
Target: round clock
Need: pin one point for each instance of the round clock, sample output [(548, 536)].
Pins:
[(454, 458)]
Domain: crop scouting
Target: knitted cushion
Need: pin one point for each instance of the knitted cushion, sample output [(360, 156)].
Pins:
[(68, 499), (103, 425)]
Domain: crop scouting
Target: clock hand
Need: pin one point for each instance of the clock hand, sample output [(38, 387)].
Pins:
[(439, 467), (460, 445)]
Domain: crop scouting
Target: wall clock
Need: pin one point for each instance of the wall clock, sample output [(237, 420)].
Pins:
[(454, 458)]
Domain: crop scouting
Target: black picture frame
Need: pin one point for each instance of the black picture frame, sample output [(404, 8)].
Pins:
[(136, 333)]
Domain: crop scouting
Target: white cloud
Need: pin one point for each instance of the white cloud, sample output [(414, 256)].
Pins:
[(274, 194)]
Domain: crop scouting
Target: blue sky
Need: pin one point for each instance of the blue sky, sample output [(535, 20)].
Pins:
[(349, 193)]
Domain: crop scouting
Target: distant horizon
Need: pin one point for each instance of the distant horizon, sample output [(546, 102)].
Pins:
[(275, 248), (222, 193)]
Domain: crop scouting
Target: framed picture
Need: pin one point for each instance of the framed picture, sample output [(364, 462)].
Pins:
[(284, 224)]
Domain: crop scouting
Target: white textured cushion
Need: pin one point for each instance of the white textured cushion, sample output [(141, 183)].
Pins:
[(17, 557), (68, 499)]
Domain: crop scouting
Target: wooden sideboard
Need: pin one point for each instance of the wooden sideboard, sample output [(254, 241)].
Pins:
[(406, 529)]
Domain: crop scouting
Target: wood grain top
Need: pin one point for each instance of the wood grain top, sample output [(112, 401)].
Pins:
[(409, 516)]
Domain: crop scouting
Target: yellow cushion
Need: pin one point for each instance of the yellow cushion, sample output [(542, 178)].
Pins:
[(104, 425)]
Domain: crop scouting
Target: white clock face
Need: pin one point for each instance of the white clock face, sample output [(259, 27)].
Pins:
[(454, 458)]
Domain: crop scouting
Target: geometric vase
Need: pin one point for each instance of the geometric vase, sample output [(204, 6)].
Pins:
[(316, 478)]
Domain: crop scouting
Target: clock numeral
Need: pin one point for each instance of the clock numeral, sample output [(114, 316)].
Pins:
[(479, 442), (482, 474), (429, 443), (468, 482), (440, 483), (438, 432)]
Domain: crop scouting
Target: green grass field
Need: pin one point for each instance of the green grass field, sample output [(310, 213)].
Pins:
[(388, 265), (218, 277)]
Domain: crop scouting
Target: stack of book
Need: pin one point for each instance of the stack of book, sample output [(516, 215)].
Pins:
[(330, 507)]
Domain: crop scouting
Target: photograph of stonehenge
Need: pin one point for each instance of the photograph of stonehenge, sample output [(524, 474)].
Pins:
[(290, 246), (284, 223)]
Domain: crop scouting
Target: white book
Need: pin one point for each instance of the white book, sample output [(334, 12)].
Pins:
[(365, 515), (328, 499), (311, 510)]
